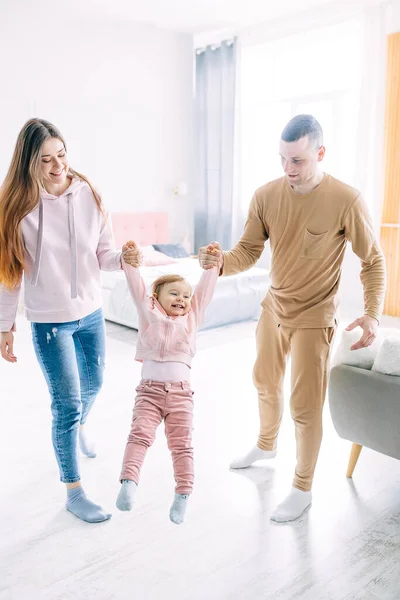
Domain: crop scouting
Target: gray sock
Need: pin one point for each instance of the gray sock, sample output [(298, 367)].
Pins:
[(178, 508), (82, 507), (126, 494)]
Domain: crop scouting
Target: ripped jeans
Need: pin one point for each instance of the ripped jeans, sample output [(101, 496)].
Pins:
[(71, 356)]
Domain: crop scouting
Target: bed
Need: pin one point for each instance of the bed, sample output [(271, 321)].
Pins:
[(236, 298)]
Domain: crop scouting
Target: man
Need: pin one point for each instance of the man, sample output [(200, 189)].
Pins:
[(308, 217)]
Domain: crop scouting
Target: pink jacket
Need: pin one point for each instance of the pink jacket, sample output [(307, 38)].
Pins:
[(165, 338), (67, 243)]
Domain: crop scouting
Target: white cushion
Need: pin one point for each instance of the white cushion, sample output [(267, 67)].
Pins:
[(364, 357), (387, 360), (389, 331)]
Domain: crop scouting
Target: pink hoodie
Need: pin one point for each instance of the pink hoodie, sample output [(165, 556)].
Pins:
[(161, 337), (67, 243)]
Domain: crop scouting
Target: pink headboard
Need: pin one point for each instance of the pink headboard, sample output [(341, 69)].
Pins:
[(143, 228)]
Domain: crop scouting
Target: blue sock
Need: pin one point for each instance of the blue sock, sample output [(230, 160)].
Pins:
[(126, 494), (178, 508), (85, 446), (83, 508)]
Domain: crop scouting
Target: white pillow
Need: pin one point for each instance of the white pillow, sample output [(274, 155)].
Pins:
[(154, 258), (387, 360), (364, 357), (389, 331)]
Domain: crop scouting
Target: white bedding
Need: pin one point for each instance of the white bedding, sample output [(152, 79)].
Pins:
[(236, 298)]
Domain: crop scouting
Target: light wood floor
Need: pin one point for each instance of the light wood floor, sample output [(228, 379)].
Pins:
[(347, 547)]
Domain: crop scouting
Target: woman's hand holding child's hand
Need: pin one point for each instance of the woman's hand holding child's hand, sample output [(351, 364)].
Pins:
[(132, 255)]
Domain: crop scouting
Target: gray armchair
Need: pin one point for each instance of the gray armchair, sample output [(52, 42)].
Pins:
[(365, 409)]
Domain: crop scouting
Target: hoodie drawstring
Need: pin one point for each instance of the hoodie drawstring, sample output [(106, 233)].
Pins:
[(73, 246), (72, 240), (38, 254)]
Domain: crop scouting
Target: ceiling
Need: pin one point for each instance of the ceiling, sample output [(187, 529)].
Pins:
[(189, 16)]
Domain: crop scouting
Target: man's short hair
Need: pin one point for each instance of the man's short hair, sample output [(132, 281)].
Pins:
[(302, 125)]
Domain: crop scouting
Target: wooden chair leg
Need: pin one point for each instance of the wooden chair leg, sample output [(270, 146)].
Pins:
[(355, 453)]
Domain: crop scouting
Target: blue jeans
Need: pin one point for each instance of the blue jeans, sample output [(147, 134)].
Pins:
[(71, 356)]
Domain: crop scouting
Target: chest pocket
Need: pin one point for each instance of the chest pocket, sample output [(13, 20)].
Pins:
[(314, 245)]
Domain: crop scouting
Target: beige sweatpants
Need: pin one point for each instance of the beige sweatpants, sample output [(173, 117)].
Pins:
[(309, 349)]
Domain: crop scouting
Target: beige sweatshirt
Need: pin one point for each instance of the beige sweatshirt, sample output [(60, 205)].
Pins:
[(308, 234)]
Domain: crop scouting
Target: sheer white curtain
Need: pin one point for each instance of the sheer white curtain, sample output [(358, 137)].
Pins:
[(368, 168), (369, 157)]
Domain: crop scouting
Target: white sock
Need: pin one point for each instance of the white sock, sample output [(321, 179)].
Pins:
[(248, 459), (292, 507)]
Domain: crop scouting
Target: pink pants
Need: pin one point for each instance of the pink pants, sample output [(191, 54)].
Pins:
[(155, 401)]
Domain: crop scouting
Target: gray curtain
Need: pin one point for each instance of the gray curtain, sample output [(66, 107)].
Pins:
[(215, 123)]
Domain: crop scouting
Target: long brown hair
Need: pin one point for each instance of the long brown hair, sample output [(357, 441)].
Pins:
[(20, 195)]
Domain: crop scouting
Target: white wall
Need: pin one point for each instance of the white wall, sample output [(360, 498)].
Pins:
[(121, 94)]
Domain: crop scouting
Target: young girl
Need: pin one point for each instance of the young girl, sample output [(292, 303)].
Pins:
[(168, 323), (55, 236)]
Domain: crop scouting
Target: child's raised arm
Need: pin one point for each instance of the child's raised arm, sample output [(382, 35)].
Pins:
[(204, 292), (131, 259)]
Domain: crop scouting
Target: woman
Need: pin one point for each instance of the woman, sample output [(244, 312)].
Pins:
[(55, 235)]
